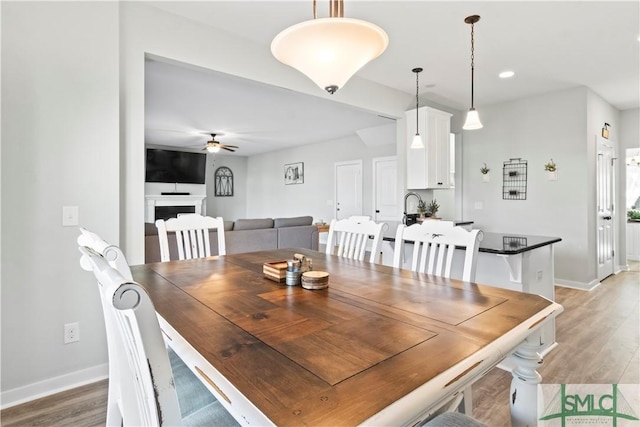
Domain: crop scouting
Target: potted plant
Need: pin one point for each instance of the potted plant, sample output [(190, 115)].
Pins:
[(551, 169), (422, 208), (484, 170), (432, 208), (633, 215)]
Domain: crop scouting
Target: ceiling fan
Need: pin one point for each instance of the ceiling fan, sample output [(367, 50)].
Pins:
[(214, 146)]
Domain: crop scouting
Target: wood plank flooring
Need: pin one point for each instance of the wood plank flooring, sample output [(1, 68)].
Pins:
[(598, 336)]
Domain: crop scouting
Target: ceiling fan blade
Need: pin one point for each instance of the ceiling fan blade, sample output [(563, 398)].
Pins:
[(231, 146), (228, 149)]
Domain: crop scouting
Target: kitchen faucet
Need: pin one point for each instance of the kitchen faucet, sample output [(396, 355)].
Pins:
[(406, 196)]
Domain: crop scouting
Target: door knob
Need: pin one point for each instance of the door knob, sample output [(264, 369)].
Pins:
[(607, 217)]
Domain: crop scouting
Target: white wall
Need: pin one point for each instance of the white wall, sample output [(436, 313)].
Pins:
[(59, 148), (268, 196), (229, 208), (628, 137), (561, 126)]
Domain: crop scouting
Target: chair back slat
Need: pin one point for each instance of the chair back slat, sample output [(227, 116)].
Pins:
[(349, 238), (192, 236), (434, 245)]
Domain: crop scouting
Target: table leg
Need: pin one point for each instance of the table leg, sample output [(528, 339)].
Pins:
[(525, 385)]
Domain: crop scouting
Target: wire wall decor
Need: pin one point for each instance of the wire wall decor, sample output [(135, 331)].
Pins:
[(514, 179)]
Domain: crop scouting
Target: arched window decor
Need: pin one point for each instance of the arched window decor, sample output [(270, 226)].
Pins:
[(223, 182)]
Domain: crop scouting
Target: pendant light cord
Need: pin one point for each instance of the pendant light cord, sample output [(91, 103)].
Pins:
[(417, 103), (472, 62)]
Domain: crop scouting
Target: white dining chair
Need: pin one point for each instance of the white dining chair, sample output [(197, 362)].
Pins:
[(434, 244), (148, 384), (191, 235), (348, 238)]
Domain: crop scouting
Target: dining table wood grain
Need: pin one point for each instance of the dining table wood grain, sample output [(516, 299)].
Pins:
[(341, 355)]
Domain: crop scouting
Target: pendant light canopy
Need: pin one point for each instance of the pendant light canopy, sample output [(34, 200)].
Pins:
[(473, 120), (330, 50), (417, 139)]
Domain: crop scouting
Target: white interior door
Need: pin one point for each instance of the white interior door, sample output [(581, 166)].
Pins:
[(348, 190), (605, 239), (385, 189)]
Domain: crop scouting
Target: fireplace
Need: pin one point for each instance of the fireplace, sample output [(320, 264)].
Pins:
[(162, 206), (166, 212)]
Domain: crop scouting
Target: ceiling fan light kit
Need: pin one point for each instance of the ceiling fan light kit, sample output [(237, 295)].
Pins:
[(214, 146), (330, 50), (473, 119)]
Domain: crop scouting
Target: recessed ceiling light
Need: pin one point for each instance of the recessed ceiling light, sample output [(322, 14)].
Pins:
[(506, 74)]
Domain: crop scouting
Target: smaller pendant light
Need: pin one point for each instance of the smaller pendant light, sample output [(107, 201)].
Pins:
[(473, 120), (417, 139)]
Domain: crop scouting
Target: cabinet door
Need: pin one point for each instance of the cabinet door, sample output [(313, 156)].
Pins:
[(428, 167), (439, 164), (416, 157)]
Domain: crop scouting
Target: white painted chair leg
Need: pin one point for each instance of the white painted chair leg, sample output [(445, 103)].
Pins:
[(467, 401), (525, 385)]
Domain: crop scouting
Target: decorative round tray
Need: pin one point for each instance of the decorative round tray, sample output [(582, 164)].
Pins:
[(315, 279)]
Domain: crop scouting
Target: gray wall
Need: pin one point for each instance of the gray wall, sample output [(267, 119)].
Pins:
[(59, 148)]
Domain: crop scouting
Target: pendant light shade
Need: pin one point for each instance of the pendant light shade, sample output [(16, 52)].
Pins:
[(417, 139), (330, 50), (473, 119)]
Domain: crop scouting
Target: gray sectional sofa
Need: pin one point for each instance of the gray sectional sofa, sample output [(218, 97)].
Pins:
[(247, 235)]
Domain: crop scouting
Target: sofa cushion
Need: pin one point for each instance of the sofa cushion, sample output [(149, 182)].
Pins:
[(304, 236), (252, 224), (150, 229), (293, 222), (240, 241)]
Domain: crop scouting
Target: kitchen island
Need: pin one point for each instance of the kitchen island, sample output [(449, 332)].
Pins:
[(511, 261)]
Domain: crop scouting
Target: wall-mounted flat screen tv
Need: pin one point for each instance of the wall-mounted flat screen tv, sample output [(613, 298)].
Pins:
[(175, 166)]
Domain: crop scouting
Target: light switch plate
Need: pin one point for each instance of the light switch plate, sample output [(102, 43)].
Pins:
[(69, 216)]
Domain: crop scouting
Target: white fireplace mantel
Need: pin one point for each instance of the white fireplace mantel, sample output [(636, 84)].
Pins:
[(154, 200)]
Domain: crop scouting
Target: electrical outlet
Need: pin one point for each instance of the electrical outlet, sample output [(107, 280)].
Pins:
[(539, 275), (71, 332)]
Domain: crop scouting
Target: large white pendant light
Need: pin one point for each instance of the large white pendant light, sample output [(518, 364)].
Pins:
[(473, 120), (330, 50), (417, 139)]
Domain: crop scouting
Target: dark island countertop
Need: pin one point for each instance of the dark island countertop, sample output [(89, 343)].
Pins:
[(511, 244), (500, 243)]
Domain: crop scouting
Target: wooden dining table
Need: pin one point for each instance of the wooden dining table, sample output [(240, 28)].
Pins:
[(379, 346)]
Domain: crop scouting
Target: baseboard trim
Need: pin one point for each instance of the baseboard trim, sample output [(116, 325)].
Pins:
[(53, 385), (578, 285)]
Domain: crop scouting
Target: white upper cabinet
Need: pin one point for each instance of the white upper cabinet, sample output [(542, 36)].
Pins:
[(429, 167)]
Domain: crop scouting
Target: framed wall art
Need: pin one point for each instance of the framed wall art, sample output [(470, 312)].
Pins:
[(223, 182), (294, 173)]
